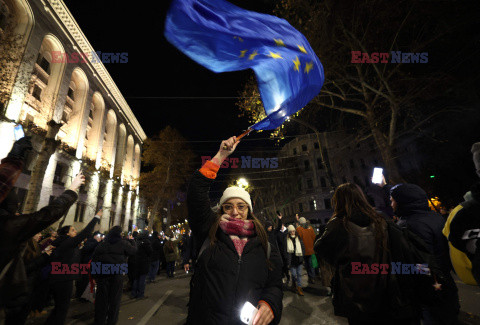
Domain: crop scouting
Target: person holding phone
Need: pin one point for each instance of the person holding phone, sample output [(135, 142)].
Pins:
[(235, 262), (378, 194)]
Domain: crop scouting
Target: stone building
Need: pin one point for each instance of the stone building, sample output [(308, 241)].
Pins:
[(99, 135)]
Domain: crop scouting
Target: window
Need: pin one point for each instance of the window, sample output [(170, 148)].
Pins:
[(304, 147), (319, 163), (45, 65), (313, 205), (316, 145), (352, 164), (309, 183), (307, 165), (300, 207), (323, 182), (70, 92), (80, 212), (294, 151), (300, 184), (327, 203), (37, 92), (58, 176)]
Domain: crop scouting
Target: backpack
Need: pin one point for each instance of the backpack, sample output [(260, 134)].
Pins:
[(406, 247)]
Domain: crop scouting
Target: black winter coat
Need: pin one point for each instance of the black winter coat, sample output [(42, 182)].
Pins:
[(114, 250), (366, 297), (14, 232), (156, 248), (67, 251), (142, 257), (88, 249), (223, 281)]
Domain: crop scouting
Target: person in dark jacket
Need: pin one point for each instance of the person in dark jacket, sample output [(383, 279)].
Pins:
[(233, 267), (66, 254), (356, 233), (34, 260), (155, 258), (113, 251), (170, 249), (410, 204), (16, 229), (131, 262), (142, 265), (281, 238), (86, 255)]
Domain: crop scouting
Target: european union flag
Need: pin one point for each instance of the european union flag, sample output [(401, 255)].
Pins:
[(223, 37)]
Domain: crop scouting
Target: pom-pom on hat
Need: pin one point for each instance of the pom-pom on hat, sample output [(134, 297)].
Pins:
[(236, 192)]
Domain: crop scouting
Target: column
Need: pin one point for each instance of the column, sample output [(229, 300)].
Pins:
[(128, 210), (92, 196), (72, 172), (47, 182), (136, 208), (107, 206), (118, 211)]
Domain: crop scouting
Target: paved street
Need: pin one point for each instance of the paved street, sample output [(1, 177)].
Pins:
[(167, 300)]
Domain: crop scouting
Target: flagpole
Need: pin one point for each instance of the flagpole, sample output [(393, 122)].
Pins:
[(245, 133)]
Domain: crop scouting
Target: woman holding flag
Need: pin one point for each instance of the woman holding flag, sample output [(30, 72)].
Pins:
[(235, 264)]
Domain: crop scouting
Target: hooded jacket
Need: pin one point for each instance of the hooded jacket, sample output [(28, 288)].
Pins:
[(223, 281), (412, 208), (142, 257), (114, 249)]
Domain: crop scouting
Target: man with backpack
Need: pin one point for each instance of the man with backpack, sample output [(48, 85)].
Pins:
[(410, 203)]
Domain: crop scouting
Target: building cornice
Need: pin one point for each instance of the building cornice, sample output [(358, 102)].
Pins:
[(82, 45)]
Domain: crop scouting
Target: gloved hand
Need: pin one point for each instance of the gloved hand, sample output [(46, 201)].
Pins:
[(21, 148)]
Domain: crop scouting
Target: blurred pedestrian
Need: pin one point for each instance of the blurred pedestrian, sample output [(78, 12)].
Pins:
[(307, 235), (295, 258), (142, 265), (112, 251), (155, 258)]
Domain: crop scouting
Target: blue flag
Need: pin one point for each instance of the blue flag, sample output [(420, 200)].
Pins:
[(223, 37)]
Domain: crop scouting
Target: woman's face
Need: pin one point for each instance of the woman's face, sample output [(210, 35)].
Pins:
[(72, 232), (292, 233), (236, 208)]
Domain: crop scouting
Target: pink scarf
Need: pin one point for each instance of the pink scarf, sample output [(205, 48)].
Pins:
[(238, 230)]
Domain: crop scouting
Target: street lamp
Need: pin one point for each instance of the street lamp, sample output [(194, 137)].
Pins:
[(242, 182)]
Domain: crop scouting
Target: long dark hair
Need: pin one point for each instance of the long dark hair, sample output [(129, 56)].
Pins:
[(349, 200), (259, 229)]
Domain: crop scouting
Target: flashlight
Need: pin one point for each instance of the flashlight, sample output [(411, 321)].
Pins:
[(248, 313)]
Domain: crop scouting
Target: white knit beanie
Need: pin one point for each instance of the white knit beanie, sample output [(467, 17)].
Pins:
[(290, 228), (236, 192), (302, 220)]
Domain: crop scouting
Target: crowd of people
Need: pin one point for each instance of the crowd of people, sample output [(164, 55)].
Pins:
[(237, 259)]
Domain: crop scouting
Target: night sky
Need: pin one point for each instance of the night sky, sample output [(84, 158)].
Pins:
[(161, 85)]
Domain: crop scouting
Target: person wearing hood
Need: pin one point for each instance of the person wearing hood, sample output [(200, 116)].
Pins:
[(170, 249), (114, 251), (235, 264), (142, 265), (295, 253), (67, 253), (155, 258), (307, 235), (461, 229), (410, 204)]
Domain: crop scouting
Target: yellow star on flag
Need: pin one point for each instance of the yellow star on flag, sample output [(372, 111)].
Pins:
[(279, 42), (275, 55), (239, 38), (308, 67), (242, 53), (297, 64), (302, 49), (254, 54)]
